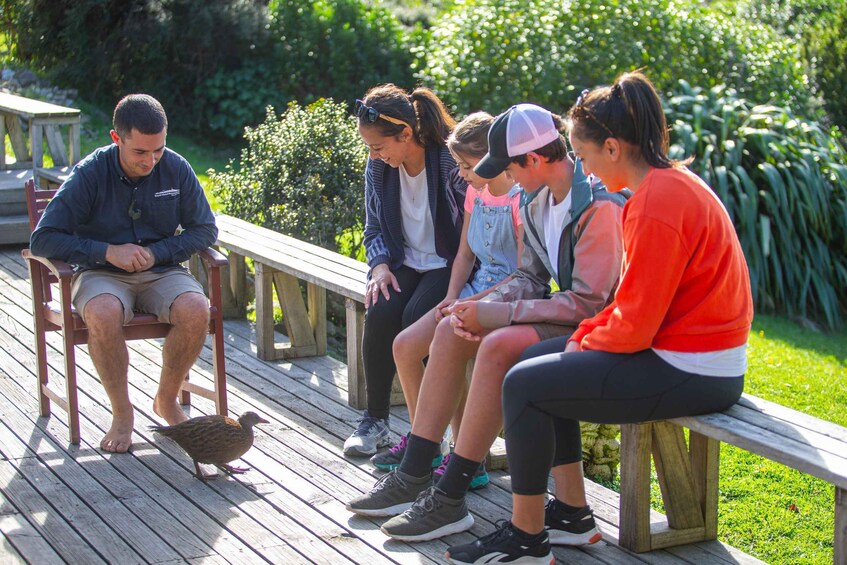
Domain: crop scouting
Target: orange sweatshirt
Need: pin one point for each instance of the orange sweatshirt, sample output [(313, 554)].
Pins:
[(684, 284)]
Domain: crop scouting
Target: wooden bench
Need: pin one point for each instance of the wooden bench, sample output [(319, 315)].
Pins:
[(280, 262), (688, 474), (44, 122)]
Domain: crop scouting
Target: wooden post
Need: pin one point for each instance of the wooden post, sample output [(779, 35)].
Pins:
[(636, 440), (705, 465), (3, 141), (295, 316), (317, 316), (839, 555), (36, 142), (264, 312), (356, 391)]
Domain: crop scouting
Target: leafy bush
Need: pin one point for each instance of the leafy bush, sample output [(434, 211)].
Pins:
[(337, 48), (784, 182), (108, 48), (828, 49), (489, 54), (301, 174)]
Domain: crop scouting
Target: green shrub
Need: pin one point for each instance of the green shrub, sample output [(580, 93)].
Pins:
[(337, 48), (301, 174), (168, 48), (784, 182), (490, 54), (828, 48)]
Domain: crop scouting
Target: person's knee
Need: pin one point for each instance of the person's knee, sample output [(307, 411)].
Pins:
[(408, 346), (500, 347), (103, 313), (190, 308)]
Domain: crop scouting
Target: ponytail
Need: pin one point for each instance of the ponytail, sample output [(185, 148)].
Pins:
[(629, 110), (422, 111)]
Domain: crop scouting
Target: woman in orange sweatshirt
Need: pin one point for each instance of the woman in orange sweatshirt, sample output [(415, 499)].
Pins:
[(672, 343)]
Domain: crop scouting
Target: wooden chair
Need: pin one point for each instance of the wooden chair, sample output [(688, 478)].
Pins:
[(58, 315)]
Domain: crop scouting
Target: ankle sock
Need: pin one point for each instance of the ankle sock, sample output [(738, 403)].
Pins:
[(420, 452), (566, 508), (527, 537), (457, 478)]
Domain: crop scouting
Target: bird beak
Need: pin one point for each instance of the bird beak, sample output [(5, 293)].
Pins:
[(262, 421)]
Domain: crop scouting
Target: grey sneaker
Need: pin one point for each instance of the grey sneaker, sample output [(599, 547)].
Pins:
[(393, 493), (371, 434), (432, 516)]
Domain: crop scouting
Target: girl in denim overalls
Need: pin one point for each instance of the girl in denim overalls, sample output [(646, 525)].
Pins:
[(491, 240)]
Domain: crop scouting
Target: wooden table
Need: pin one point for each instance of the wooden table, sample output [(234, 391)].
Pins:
[(45, 122)]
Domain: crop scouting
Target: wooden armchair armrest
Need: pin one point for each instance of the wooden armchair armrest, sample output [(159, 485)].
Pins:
[(212, 257), (58, 268)]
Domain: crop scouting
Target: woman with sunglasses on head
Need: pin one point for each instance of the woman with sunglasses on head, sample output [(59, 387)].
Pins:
[(671, 344), (413, 225)]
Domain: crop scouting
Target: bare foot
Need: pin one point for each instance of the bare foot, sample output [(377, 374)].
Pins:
[(169, 410), (119, 437)]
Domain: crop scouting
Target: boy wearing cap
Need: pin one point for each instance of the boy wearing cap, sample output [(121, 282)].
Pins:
[(572, 234)]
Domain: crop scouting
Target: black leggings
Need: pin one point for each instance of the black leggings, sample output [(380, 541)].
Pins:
[(419, 293), (545, 398)]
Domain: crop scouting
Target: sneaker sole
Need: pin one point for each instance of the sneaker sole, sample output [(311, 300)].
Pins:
[(393, 466), (462, 525), (356, 452), (561, 537), (381, 512), (526, 560)]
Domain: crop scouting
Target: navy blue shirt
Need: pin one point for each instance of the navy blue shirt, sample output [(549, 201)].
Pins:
[(91, 211)]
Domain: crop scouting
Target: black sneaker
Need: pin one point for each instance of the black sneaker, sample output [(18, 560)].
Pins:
[(503, 546), (578, 528)]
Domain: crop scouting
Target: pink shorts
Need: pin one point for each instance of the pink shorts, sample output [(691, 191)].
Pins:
[(149, 292)]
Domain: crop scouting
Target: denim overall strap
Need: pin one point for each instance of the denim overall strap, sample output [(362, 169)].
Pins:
[(491, 237)]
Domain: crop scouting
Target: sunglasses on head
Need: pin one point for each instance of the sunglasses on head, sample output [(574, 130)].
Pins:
[(579, 108), (371, 115)]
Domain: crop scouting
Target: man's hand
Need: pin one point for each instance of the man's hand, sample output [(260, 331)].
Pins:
[(130, 257), (464, 320)]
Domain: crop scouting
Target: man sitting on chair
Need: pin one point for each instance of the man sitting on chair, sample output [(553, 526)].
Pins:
[(115, 219)]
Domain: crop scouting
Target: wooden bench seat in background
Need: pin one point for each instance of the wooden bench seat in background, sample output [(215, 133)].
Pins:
[(280, 262)]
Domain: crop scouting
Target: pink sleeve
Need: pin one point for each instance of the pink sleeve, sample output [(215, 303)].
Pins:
[(470, 196), (516, 210)]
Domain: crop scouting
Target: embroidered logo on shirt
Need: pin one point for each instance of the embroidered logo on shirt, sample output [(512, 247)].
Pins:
[(168, 192)]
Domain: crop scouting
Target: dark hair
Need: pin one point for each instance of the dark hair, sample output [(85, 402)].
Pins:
[(141, 112), (554, 151), (470, 136), (629, 110), (422, 111)]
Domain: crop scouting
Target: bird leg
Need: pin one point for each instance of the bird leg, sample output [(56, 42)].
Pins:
[(233, 470), (203, 476)]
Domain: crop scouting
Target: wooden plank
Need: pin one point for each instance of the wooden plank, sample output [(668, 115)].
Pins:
[(56, 146), (317, 316), (28, 108), (294, 313), (356, 387), (839, 556), (3, 141), (634, 526), (791, 452), (264, 312), (36, 145), (705, 464), (16, 137), (22, 543), (673, 469)]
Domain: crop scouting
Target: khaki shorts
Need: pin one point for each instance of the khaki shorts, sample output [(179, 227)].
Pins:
[(149, 292), (549, 331)]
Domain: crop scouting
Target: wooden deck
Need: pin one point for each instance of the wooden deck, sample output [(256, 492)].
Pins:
[(62, 503)]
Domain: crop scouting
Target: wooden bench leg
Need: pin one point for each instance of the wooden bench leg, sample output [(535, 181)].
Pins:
[(636, 442), (316, 296), (356, 393), (839, 556), (687, 476), (264, 313)]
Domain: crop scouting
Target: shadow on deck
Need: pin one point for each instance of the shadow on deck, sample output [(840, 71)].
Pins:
[(77, 504)]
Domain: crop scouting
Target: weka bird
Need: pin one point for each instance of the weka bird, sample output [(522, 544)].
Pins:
[(214, 440)]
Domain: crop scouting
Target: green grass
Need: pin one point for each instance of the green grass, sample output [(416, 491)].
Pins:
[(768, 510)]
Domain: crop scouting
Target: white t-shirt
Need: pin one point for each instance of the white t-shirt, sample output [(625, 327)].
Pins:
[(418, 228), (555, 217), (730, 362)]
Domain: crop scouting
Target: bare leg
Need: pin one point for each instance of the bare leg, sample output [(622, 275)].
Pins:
[(410, 347), (528, 512), (456, 420), (483, 416), (190, 321), (104, 316), (444, 379), (570, 484)]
